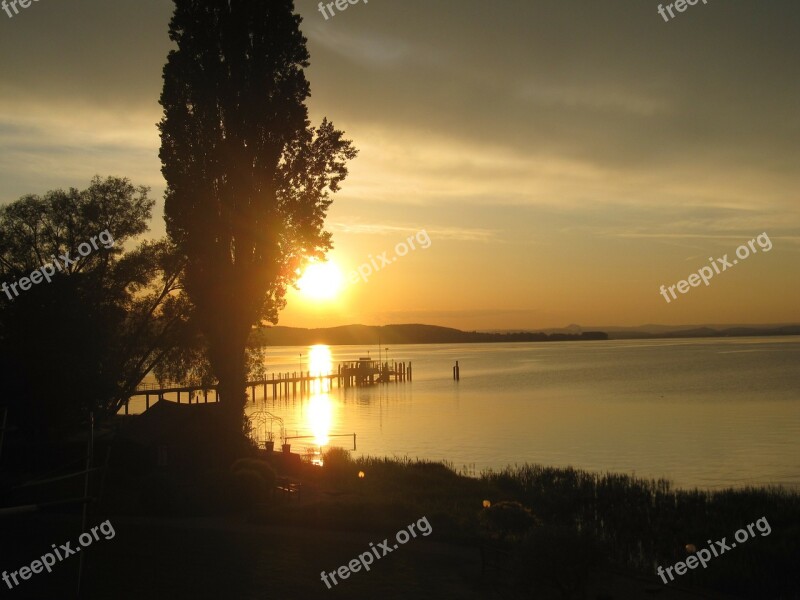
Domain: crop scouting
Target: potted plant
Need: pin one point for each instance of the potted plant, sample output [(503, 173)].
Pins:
[(270, 443)]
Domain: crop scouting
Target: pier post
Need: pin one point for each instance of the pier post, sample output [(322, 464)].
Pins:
[(456, 374), (146, 401), (205, 396)]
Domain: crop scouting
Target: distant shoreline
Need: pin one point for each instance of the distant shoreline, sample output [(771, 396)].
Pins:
[(361, 335)]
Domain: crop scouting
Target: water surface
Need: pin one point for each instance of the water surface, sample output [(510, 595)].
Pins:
[(709, 413)]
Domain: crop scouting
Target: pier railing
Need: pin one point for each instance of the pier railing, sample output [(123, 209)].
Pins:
[(283, 385)]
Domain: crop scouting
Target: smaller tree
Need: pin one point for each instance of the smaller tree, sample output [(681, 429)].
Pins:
[(86, 338)]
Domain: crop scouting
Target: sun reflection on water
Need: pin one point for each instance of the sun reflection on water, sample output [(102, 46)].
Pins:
[(320, 418), (320, 364), (320, 407)]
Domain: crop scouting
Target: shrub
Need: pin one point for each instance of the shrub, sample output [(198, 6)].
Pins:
[(263, 469), (507, 519), (338, 467), (247, 488)]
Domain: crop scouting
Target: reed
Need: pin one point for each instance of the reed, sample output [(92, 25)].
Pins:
[(639, 523)]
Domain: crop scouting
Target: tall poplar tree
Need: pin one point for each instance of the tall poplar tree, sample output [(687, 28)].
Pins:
[(248, 178)]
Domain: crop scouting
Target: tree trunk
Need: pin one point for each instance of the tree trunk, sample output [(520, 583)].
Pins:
[(224, 313), (227, 360)]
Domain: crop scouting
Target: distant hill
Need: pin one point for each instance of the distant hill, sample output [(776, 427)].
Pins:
[(361, 335), (698, 332), (653, 331), (401, 334)]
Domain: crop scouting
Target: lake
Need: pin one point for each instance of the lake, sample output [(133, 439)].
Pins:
[(709, 413)]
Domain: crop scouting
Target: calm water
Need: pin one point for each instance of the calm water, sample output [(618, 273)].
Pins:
[(707, 413)]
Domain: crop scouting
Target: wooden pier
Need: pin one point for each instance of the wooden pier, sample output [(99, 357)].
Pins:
[(354, 373)]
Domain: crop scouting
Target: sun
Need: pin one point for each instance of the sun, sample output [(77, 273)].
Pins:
[(320, 281)]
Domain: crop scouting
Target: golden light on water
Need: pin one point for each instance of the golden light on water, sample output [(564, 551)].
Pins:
[(320, 362), (320, 418), (320, 407)]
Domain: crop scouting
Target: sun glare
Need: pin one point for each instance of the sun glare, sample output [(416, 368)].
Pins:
[(320, 418), (320, 281)]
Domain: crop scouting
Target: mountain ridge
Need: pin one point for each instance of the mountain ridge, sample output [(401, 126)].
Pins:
[(419, 333)]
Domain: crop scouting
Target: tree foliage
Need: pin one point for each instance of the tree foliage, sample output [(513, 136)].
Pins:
[(82, 341), (248, 178)]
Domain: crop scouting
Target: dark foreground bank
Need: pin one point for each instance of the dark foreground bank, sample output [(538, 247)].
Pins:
[(271, 526)]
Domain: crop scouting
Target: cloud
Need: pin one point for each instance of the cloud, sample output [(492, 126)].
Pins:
[(450, 233), (364, 48)]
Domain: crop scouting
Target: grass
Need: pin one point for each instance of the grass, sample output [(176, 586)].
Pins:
[(622, 521)]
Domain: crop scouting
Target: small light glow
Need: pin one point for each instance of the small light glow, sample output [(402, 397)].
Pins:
[(361, 475), (486, 504)]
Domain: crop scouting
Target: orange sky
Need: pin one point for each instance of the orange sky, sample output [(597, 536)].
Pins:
[(566, 159)]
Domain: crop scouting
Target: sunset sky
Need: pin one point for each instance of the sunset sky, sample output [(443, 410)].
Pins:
[(566, 158)]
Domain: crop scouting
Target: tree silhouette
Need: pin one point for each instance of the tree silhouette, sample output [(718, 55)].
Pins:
[(248, 178), (83, 339)]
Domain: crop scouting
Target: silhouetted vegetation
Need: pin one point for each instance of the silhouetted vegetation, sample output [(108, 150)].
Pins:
[(558, 524), (82, 340), (248, 179), (642, 523)]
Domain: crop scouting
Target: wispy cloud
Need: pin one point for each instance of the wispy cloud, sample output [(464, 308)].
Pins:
[(450, 233), (361, 48)]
